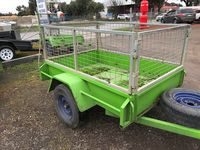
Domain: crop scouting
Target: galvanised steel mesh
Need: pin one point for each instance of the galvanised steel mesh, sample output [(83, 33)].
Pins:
[(117, 53)]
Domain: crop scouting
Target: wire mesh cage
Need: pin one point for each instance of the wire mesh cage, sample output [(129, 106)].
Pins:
[(119, 54)]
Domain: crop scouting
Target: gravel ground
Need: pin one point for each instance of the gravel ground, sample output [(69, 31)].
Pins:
[(28, 119)]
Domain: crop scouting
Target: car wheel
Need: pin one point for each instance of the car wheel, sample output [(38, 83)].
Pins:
[(182, 106), (175, 21), (53, 51), (162, 21), (66, 107), (6, 53), (190, 22)]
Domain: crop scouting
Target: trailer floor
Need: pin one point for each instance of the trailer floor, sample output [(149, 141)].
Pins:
[(114, 68)]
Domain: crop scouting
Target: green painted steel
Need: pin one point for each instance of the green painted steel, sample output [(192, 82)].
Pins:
[(121, 61), (129, 108), (171, 127), (117, 102), (64, 40)]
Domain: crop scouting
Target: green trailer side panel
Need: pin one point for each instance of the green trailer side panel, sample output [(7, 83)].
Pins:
[(106, 98), (44, 72), (87, 92), (149, 97)]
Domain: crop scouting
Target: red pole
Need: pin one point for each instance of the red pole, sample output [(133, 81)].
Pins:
[(144, 7)]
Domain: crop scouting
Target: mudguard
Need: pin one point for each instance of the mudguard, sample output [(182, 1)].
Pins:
[(76, 85)]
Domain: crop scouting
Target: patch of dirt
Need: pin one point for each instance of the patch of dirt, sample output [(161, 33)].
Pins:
[(28, 119)]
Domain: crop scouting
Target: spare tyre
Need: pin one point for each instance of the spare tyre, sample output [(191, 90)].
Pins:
[(182, 106)]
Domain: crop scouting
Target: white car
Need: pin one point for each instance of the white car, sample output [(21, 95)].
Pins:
[(123, 16), (160, 16), (197, 14)]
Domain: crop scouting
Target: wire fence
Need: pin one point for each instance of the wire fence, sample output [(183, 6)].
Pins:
[(160, 53)]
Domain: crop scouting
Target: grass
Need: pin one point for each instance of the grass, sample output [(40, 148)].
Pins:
[(22, 68), (95, 70), (36, 44), (142, 81), (18, 74), (25, 53), (116, 76), (1, 68)]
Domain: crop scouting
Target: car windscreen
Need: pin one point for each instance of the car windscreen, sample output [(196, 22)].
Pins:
[(186, 10)]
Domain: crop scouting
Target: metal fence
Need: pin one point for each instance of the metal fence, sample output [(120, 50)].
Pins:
[(118, 54)]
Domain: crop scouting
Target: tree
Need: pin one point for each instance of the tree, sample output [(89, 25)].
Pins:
[(99, 7), (22, 10), (158, 3), (30, 10), (7, 14), (32, 7), (191, 2), (114, 7), (82, 8), (94, 7), (73, 9), (64, 7)]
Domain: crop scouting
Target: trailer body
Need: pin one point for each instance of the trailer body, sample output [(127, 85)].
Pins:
[(120, 68)]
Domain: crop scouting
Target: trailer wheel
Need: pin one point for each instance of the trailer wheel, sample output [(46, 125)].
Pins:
[(66, 107), (6, 53), (182, 106)]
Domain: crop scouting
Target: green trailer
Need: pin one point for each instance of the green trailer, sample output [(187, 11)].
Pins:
[(124, 72)]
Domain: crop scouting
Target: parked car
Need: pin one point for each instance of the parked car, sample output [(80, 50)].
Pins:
[(197, 13), (53, 18), (178, 16), (67, 17), (123, 16), (10, 41), (196, 10), (9, 44), (160, 16), (110, 16)]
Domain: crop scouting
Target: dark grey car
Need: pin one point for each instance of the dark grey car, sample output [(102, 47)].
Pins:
[(179, 16)]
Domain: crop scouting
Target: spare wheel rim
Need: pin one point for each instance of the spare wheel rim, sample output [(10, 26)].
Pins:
[(6, 54), (188, 99)]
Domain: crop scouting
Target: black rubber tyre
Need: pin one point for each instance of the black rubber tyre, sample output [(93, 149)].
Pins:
[(66, 107), (6, 53), (162, 21), (175, 21), (190, 22), (182, 106), (50, 50)]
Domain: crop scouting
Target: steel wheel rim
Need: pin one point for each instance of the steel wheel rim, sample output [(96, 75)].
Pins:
[(188, 99), (6, 54), (64, 107)]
